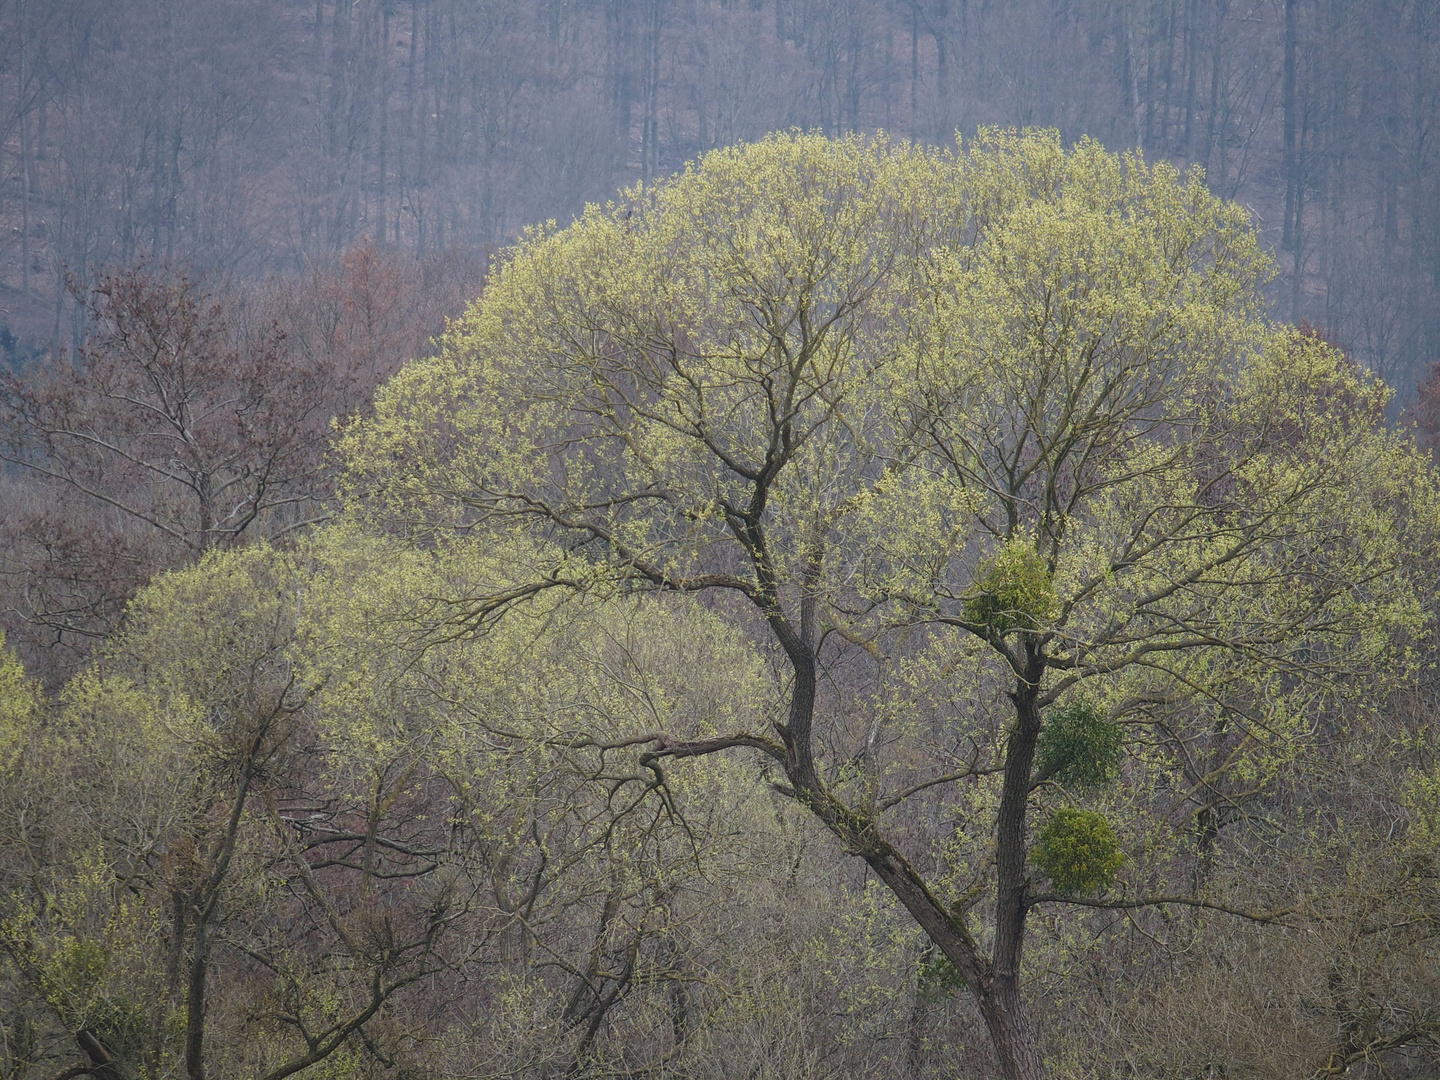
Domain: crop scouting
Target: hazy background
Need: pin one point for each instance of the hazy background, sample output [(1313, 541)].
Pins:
[(254, 137)]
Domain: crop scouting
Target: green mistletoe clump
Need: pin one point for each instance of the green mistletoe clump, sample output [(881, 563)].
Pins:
[(1079, 747), (1014, 590), (1077, 851)]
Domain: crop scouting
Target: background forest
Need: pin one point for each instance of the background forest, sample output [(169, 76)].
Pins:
[(262, 136), (314, 762)]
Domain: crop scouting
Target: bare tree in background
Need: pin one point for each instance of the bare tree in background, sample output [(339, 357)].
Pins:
[(191, 419)]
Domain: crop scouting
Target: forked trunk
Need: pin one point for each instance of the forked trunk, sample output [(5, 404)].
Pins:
[(996, 986)]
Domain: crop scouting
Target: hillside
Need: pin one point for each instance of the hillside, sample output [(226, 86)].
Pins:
[(270, 135)]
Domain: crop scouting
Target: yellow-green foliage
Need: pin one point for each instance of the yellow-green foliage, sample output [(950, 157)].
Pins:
[(1015, 590), (409, 655), (1020, 386), (89, 947), (216, 633), (664, 327), (1010, 418), (131, 781), (916, 351), (146, 751), (19, 706), (1076, 850), (1420, 797)]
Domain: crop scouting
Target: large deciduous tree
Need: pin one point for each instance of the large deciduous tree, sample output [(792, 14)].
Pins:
[(1009, 422)]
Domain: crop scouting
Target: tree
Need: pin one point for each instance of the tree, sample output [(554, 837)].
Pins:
[(156, 899), (190, 421), (1013, 413), (581, 893), (261, 834), (173, 418)]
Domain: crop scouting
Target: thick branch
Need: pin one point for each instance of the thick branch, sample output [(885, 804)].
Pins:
[(1274, 916)]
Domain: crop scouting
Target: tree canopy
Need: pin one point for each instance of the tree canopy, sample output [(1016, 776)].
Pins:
[(822, 603), (1010, 421)]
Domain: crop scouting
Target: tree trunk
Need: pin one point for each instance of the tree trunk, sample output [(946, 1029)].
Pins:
[(914, 64), (1212, 114), (942, 70), (1169, 73), (382, 152), (999, 998), (195, 1003), (1287, 240), (1130, 80), (994, 983), (1192, 64), (1003, 1009)]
